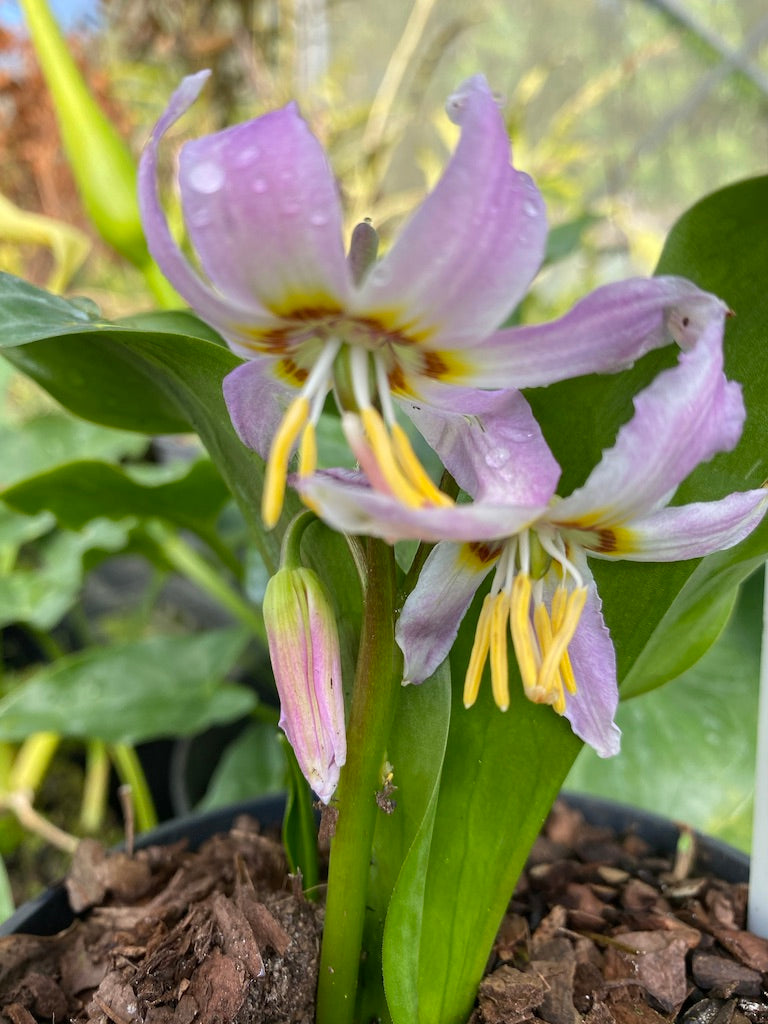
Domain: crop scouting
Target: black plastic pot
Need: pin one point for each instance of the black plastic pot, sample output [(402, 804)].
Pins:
[(50, 912)]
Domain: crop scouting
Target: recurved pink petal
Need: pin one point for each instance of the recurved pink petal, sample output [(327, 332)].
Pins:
[(490, 442), (347, 503), (256, 402), (592, 709), (263, 213), (432, 614), (225, 313), (691, 531), (468, 254), (684, 417), (604, 332)]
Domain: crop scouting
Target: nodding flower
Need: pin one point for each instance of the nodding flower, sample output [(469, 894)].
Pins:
[(263, 215), (543, 595)]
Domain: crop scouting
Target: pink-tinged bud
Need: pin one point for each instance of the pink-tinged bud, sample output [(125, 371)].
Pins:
[(304, 648)]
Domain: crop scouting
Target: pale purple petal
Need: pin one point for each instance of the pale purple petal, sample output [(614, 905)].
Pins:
[(691, 531), (262, 211), (604, 332), (256, 402), (433, 611), (347, 503), (592, 710), (225, 314), (468, 254), (684, 417), (490, 442)]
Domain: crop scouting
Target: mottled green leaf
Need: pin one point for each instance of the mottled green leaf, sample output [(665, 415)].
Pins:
[(131, 693)]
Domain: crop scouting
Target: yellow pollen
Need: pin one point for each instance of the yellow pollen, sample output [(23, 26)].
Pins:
[(414, 470), (479, 652), (551, 664), (498, 646), (308, 451), (382, 447), (277, 464), (523, 639)]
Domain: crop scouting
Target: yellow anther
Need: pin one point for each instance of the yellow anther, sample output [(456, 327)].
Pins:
[(414, 470), (551, 663), (498, 646), (381, 445), (523, 639), (566, 670), (277, 464), (479, 653), (308, 451)]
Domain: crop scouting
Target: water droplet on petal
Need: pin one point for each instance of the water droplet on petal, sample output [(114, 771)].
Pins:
[(319, 219), (207, 177), (530, 209), (495, 458), (200, 218), (244, 157), (259, 186)]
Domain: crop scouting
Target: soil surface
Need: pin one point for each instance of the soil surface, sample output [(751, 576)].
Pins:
[(601, 929)]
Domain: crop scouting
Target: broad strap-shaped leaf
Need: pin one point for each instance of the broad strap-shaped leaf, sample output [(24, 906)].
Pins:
[(159, 374), (415, 754), (131, 693)]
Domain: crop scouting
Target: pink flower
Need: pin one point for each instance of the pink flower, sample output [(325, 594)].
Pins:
[(263, 215)]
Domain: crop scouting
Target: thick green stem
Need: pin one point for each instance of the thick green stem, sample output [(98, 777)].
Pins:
[(374, 699)]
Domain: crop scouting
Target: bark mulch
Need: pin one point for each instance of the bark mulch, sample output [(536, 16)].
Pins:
[(601, 929)]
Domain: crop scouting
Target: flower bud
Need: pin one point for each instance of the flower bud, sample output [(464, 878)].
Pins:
[(304, 648)]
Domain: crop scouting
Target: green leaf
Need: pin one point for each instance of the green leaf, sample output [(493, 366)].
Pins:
[(45, 442), (16, 529), (688, 750), (400, 844), (252, 765), (82, 491), (41, 594), (166, 379), (131, 693)]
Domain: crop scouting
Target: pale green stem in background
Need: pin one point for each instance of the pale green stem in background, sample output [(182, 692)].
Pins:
[(374, 699), (95, 787), (130, 773), (32, 761), (7, 905), (185, 560), (101, 162), (391, 81), (7, 757), (757, 917)]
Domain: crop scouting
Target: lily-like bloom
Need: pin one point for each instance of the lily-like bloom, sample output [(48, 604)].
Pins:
[(263, 214), (304, 649), (543, 594)]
